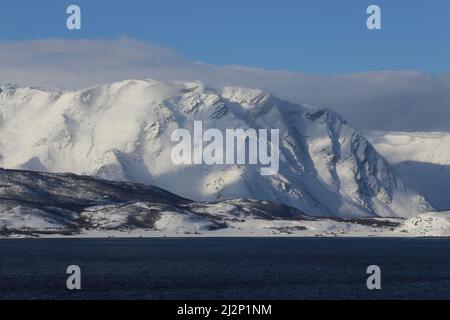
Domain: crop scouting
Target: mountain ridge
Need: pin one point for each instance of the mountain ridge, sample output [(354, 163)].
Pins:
[(36, 203)]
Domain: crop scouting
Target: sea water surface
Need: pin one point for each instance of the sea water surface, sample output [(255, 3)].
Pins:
[(225, 268)]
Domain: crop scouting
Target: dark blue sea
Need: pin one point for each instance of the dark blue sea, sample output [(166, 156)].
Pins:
[(225, 268)]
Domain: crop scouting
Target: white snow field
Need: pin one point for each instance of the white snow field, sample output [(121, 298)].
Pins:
[(427, 224)]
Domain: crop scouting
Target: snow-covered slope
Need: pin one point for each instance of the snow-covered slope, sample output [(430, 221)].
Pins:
[(421, 158), (121, 131), (36, 204), (44, 203), (429, 147), (427, 224)]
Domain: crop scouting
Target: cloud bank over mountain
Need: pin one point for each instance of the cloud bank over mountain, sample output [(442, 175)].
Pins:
[(383, 100)]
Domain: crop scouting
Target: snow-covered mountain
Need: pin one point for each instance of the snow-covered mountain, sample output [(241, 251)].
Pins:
[(422, 159), (121, 131)]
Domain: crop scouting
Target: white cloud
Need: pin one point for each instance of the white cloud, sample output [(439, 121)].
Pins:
[(392, 100)]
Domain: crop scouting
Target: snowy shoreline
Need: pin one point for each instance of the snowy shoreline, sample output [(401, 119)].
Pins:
[(428, 225)]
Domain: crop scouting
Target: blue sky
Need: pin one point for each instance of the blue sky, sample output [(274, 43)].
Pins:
[(311, 36)]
